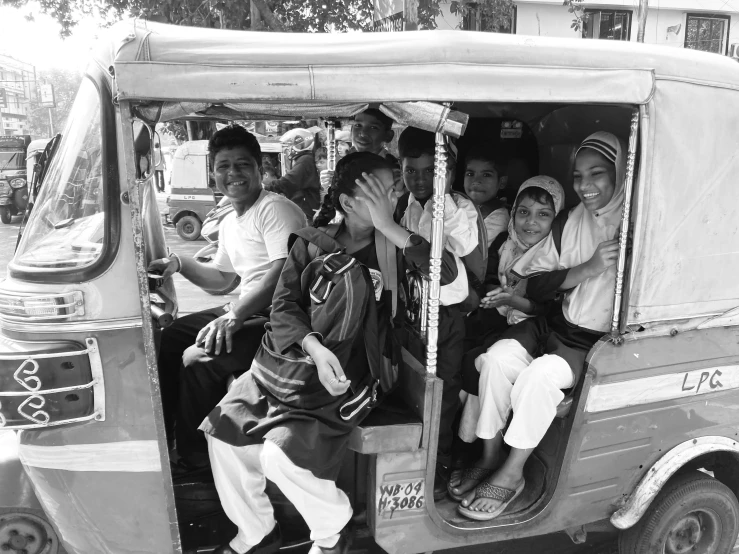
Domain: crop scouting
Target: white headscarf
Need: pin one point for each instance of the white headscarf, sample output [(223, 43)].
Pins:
[(615, 151), (514, 247)]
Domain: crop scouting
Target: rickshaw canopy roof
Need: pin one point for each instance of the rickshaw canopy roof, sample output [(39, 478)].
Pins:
[(185, 64), (685, 254)]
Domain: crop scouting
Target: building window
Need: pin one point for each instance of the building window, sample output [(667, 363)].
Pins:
[(607, 24), (707, 32), (475, 20)]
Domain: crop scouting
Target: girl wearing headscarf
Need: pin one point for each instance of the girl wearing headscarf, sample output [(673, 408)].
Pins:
[(583, 269), (537, 203)]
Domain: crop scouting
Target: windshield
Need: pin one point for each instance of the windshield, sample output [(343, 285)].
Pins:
[(11, 160), (67, 225)]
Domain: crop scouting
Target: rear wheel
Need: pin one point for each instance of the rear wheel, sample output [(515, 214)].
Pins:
[(188, 227), (693, 514), (5, 214)]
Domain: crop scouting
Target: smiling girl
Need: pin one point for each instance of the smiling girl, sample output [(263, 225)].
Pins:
[(583, 269)]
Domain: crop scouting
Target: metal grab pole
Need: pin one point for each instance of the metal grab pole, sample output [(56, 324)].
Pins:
[(642, 19), (625, 218), (330, 146), (437, 244)]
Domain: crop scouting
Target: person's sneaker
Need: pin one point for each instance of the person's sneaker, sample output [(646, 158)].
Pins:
[(268, 545), (441, 480)]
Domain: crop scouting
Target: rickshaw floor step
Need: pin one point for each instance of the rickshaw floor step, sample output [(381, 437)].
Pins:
[(534, 473)]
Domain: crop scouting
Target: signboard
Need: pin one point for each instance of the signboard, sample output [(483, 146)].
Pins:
[(3, 98), (12, 143), (392, 23), (46, 96)]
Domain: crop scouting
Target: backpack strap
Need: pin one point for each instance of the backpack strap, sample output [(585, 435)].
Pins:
[(401, 207), (558, 226), (319, 241)]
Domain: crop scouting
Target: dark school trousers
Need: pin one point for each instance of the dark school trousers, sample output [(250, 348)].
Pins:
[(449, 369), (193, 381)]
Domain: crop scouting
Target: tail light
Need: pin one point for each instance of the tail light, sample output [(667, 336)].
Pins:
[(40, 308)]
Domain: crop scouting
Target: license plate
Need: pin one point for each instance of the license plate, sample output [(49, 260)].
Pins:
[(399, 497)]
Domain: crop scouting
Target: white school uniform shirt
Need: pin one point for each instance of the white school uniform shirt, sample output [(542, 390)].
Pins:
[(460, 237), (248, 244), (589, 304), (495, 223)]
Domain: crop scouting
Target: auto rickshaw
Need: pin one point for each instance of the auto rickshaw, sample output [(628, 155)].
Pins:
[(647, 443)]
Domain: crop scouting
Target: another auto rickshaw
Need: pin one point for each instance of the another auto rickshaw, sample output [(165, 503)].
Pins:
[(647, 443)]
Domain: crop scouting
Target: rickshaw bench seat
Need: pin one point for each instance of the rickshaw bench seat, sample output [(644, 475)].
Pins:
[(390, 427)]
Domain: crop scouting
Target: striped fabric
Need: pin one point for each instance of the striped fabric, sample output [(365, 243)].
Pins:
[(599, 146)]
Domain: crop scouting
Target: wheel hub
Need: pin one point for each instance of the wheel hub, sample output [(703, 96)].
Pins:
[(685, 535), (23, 535), (694, 533)]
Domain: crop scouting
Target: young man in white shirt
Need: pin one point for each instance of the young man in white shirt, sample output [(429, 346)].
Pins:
[(201, 351)]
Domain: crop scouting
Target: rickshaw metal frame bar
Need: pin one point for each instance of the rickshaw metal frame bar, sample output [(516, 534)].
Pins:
[(135, 194), (330, 145), (623, 233), (437, 244)]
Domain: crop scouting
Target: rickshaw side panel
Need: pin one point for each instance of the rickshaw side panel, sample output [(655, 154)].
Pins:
[(643, 398), (88, 475)]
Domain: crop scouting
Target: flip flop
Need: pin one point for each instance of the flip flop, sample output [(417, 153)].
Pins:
[(487, 490), (477, 474)]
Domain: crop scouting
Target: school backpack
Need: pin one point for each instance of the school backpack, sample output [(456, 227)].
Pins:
[(341, 309)]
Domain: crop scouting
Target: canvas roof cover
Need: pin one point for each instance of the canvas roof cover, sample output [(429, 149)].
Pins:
[(163, 62), (686, 238)]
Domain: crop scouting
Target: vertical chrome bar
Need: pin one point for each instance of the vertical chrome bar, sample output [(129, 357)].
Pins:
[(625, 219), (437, 244), (330, 145), (424, 308)]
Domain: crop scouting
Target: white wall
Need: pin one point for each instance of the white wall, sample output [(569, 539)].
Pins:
[(446, 20), (544, 20), (553, 20)]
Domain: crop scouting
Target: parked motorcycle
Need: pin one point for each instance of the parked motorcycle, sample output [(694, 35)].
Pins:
[(209, 232)]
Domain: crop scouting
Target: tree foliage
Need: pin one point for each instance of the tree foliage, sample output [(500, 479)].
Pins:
[(576, 8), (272, 15), (65, 84), (495, 16)]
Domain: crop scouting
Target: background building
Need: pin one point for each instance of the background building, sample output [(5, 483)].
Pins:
[(18, 89), (709, 25)]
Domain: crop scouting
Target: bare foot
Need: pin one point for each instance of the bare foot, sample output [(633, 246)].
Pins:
[(461, 486), (499, 479)]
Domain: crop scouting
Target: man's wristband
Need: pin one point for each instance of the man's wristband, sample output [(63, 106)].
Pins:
[(174, 256)]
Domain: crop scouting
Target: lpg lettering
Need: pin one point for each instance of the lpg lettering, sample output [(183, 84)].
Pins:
[(705, 376)]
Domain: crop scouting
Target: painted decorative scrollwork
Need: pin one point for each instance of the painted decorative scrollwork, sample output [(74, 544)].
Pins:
[(30, 382), (40, 416)]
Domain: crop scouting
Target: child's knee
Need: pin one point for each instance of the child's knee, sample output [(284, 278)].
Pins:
[(504, 353), (549, 369)]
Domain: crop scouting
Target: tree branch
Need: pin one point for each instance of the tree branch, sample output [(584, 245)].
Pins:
[(269, 18)]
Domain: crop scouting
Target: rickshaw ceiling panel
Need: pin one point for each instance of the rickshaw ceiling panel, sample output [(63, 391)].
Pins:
[(168, 111)]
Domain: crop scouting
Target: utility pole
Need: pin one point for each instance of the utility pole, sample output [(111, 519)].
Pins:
[(410, 7), (642, 19), (256, 17)]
